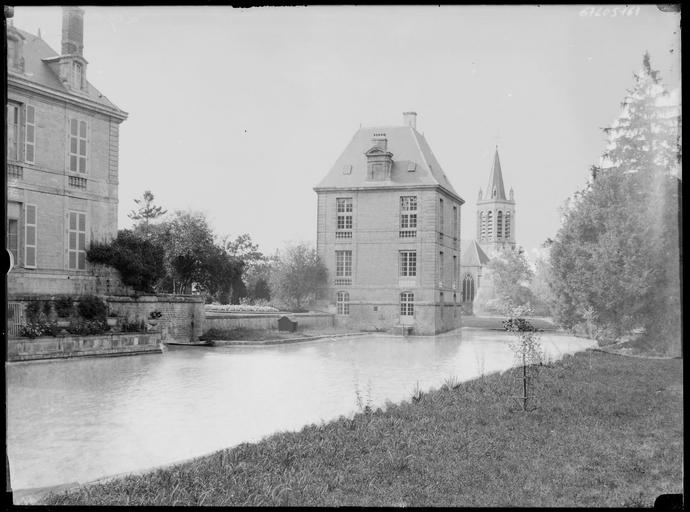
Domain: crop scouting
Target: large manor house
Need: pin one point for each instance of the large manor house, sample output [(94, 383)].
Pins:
[(388, 229), (388, 218)]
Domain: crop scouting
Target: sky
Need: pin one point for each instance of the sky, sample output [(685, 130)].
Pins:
[(239, 113)]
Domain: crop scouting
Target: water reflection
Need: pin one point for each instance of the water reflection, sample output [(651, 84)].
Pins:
[(76, 420)]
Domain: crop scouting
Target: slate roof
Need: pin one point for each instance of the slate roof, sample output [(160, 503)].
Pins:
[(495, 180), (471, 254), (408, 146), (36, 70)]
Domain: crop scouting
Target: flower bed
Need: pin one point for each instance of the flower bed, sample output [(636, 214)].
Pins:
[(240, 308)]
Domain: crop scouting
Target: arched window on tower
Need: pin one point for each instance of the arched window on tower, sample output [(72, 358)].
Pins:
[(507, 230), (482, 226), (489, 224), (468, 288), (499, 224)]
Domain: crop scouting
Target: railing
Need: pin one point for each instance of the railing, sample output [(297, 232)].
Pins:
[(15, 318), (15, 170), (339, 281), (408, 233), (343, 234), (77, 182)]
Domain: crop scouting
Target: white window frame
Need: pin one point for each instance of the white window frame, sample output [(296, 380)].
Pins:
[(343, 267), (29, 141), (407, 262), (79, 141), (342, 301), (343, 217), (78, 77), (76, 250), (28, 263), (407, 304), (408, 216), (16, 108)]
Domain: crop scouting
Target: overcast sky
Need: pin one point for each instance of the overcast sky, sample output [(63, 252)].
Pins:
[(239, 113)]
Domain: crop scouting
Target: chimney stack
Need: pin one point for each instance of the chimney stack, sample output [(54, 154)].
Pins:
[(379, 140), (410, 119), (72, 31)]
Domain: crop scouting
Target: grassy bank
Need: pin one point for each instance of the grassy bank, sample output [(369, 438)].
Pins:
[(606, 431), (244, 334)]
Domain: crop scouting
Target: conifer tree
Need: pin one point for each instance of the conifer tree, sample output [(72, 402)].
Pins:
[(146, 211)]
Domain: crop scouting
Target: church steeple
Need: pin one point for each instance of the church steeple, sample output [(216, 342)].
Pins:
[(495, 213), (495, 188)]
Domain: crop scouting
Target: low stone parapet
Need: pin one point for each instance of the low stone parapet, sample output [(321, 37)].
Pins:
[(266, 321), (27, 349)]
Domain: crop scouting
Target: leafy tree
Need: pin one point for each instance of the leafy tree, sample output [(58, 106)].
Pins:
[(616, 259), (255, 268), (146, 211), (137, 260), (510, 274), (297, 275)]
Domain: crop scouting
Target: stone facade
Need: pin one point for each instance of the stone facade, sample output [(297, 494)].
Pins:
[(388, 230), (62, 165), (266, 321)]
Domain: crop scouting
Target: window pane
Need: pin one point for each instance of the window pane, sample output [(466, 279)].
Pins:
[(72, 220), (73, 240), (30, 235), (73, 145), (72, 163), (29, 133), (82, 147), (82, 129), (82, 241), (82, 164), (82, 261), (72, 259), (82, 222), (30, 257), (30, 111), (30, 153), (73, 127), (30, 214)]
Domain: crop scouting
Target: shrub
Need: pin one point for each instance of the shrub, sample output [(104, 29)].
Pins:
[(138, 261), (36, 329), (64, 307), (135, 326), (34, 310), (88, 327), (92, 308)]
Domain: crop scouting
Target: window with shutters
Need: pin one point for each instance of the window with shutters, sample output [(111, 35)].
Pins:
[(30, 235), (30, 134), (77, 241), (13, 131), (77, 145)]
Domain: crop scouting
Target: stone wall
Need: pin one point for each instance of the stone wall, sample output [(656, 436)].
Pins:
[(266, 321), (25, 349), (98, 280), (182, 315)]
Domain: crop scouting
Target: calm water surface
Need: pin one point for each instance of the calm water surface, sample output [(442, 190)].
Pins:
[(77, 420)]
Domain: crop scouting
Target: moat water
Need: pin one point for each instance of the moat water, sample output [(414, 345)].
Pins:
[(81, 419)]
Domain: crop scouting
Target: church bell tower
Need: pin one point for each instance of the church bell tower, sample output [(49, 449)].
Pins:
[(495, 213)]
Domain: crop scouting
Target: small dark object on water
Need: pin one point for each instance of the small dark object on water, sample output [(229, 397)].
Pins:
[(190, 344)]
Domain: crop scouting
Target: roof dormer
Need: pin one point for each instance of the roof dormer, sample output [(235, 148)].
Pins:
[(379, 159), (15, 49)]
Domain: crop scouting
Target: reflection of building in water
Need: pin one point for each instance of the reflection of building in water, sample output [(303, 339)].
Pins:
[(388, 230), (62, 163)]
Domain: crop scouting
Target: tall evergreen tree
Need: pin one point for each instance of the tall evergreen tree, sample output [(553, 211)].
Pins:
[(617, 252)]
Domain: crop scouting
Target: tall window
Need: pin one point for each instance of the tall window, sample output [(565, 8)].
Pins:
[(489, 224), (507, 230), (77, 146), (30, 235), (30, 134), (12, 131), (482, 225), (455, 222), (455, 271), (343, 267), (343, 217), (442, 302), (408, 263), (77, 241), (78, 75), (440, 268), (13, 238), (440, 218), (343, 303), (408, 216), (499, 224), (407, 304), (468, 288)]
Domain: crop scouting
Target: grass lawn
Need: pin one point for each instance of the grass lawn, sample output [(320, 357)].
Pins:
[(607, 430)]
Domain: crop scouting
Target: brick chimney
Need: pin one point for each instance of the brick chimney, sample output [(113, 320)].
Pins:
[(72, 31), (379, 140), (410, 119)]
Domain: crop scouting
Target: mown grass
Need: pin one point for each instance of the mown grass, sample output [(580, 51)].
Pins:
[(606, 431)]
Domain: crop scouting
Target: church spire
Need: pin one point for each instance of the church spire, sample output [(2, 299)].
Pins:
[(495, 189)]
